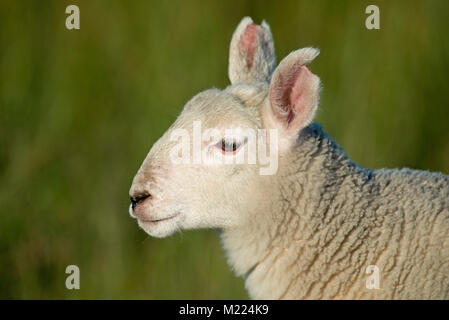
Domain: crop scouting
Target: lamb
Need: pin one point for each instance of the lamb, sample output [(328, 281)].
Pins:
[(311, 229)]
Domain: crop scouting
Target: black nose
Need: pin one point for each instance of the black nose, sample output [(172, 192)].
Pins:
[(138, 199)]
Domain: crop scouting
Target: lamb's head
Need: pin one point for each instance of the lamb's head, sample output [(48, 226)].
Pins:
[(216, 165)]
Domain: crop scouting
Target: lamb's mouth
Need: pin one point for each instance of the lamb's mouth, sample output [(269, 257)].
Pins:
[(156, 221)]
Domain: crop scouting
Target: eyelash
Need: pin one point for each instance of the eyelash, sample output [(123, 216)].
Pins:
[(228, 146)]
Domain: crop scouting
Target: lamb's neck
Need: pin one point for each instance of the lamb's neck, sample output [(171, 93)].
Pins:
[(301, 207)]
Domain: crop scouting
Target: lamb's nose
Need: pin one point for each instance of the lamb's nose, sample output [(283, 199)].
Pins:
[(138, 199)]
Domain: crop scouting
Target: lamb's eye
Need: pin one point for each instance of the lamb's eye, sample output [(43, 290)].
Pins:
[(228, 146)]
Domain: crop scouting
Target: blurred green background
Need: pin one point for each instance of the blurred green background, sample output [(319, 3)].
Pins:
[(79, 111)]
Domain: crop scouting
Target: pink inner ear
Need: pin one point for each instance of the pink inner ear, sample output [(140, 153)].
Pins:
[(291, 94), (247, 43), (300, 93)]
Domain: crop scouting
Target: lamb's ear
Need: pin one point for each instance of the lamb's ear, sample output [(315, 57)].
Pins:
[(294, 93), (251, 53)]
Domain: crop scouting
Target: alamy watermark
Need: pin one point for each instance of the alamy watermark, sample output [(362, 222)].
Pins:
[(373, 281), (73, 20), (73, 280), (373, 20), (233, 146)]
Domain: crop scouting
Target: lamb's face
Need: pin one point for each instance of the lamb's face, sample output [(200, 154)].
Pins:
[(206, 170), (179, 188)]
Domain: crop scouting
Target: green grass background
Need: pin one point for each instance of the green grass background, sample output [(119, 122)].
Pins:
[(79, 111)]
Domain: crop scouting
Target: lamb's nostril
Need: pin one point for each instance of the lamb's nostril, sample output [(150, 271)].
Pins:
[(138, 199)]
